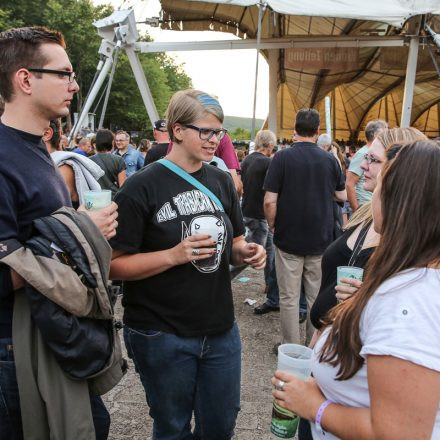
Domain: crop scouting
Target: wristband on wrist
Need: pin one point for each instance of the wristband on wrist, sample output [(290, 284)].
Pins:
[(319, 414)]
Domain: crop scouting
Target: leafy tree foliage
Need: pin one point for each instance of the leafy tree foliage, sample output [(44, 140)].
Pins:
[(74, 18), (240, 134)]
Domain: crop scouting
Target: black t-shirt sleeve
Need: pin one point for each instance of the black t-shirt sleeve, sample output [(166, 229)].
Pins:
[(131, 224), (274, 176)]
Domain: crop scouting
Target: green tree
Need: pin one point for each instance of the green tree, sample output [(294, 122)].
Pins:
[(240, 134), (74, 18)]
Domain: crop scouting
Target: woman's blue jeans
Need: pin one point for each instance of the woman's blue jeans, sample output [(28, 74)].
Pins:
[(184, 375)]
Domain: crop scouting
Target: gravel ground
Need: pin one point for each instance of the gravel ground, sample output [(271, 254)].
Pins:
[(126, 402)]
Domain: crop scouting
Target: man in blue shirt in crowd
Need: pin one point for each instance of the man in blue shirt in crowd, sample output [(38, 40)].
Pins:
[(83, 147), (134, 160)]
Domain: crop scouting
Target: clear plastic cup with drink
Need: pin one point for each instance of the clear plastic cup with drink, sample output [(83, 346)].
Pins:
[(297, 360), (97, 199)]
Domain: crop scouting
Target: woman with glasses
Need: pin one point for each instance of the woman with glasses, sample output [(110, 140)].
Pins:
[(358, 242), (376, 366), (175, 241)]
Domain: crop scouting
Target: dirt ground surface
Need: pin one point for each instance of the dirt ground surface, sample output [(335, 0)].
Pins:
[(126, 402)]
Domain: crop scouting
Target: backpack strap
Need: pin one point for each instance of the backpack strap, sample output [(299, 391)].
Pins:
[(190, 179)]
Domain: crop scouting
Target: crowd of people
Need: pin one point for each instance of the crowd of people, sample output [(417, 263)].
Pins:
[(184, 211)]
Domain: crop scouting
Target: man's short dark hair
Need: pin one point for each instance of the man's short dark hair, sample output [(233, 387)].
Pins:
[(20, 48), (373, 128), (104, 140), (55, 125), (307, 122)]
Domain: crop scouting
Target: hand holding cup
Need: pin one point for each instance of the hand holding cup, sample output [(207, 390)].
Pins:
[(349, 279)]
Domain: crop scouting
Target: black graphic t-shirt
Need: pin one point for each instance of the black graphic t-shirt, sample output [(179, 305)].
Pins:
[(157, 210)]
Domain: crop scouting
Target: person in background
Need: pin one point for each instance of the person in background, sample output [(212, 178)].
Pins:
[(134, 160), (339, 152), (113, 165), (254, 169), (162, 141), (92, 138), (64, 142), (301, 183), (226, 152), (356, 194), (253, 172), (241, 154), (325, 142), (52, 136), (144, 147), (83, 147), (376, 366), (180, 329)]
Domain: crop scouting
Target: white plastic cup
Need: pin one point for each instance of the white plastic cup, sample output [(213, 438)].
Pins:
[(297, 360), (354, 272), (212, 231), (97, 199)]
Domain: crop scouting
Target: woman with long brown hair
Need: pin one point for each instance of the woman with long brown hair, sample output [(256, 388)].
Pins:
[(376, 366)]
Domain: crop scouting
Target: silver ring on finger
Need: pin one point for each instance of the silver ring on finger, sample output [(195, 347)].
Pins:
[(195, 252), (280, 385)]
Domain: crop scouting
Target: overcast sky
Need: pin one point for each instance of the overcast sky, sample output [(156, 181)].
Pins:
[(228, 74)]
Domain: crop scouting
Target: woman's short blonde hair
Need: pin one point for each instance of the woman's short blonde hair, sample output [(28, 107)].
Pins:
[(392, 136), (187, 106)]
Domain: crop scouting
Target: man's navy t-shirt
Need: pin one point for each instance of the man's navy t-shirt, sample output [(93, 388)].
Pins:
[(305, 177), (30, 187)]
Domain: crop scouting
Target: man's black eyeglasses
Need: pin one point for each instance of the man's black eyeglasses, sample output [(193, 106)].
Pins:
[(207, 133), (71, 75)]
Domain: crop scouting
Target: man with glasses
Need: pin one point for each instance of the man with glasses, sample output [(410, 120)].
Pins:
[(356, 193), (162, 140), (38, 84), (134, 160)]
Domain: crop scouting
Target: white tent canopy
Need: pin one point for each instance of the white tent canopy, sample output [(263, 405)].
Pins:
[(393, 12), (297, 81)]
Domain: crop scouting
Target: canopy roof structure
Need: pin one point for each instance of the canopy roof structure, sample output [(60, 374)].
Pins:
[(364, 82)]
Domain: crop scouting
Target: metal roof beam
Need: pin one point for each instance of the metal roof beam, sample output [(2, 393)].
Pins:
[(274, 43)]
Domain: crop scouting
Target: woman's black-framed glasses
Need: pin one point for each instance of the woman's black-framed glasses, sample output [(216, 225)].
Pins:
[(371, 159), (205, 134), (71, 75)]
